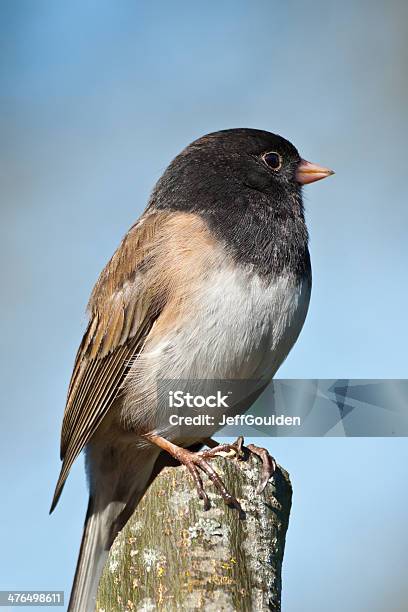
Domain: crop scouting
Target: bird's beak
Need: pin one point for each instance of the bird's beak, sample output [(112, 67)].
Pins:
[(309, 173)]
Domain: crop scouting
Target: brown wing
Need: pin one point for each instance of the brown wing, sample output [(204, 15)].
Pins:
[(123, 307)]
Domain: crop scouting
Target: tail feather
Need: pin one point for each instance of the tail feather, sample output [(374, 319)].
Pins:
[(92, 557), (125, 483)]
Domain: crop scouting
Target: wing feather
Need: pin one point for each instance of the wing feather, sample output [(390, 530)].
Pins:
[(122, 312)]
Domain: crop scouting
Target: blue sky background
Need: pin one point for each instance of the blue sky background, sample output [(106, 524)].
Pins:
[(96, 98)]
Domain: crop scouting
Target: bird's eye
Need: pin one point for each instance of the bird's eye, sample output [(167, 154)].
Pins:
[(273, 160)]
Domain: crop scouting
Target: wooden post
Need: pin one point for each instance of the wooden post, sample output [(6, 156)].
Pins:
[(173, 555)]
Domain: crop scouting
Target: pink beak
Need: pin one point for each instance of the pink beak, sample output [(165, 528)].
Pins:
[(309, 173)]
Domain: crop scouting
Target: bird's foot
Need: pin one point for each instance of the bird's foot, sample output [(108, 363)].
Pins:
[(268, 465), (268, 462), (199, 460), (196, 461)]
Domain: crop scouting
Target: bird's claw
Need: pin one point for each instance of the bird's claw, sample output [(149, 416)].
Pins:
[(236, 449), (199, 461), (268, 465), (196, 461)]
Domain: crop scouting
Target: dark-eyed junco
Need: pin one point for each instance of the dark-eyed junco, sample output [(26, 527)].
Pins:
[(212, 282)]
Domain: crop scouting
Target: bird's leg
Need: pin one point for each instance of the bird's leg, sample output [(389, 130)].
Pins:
[(198, 460), (268, 462)]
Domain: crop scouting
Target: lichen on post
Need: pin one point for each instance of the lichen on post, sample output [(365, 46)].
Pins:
[(173, 555)]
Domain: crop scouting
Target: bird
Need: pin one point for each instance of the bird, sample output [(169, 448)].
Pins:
[(213, 281)]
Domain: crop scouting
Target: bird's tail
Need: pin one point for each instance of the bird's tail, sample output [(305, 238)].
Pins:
[(92, 556), (110, 506)]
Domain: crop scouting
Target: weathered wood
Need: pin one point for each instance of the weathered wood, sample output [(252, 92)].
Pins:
[(172, 555)]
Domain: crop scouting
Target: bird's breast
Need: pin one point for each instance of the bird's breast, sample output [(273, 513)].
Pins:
[(235, 325)]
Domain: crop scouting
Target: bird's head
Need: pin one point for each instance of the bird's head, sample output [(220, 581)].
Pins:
[(236, 166)]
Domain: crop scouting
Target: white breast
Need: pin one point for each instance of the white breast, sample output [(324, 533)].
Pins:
[(238, 326)]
